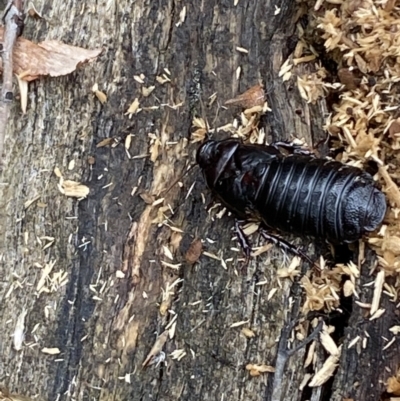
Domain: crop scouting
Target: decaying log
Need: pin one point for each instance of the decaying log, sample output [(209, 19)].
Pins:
[(111, 286)]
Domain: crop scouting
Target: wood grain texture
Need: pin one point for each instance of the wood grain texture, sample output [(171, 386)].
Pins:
[(105, 326)]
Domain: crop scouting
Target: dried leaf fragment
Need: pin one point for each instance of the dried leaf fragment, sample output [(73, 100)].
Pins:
[(193, 253), (392, 244), (349, 78), (255, 96), (51, 57), (394, 128)]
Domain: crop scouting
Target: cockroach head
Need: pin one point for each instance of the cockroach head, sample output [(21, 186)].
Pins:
[(214, 156), (206, 153), (216, 153)]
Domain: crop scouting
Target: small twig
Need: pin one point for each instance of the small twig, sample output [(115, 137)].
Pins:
[(13, 23), (284, 354)]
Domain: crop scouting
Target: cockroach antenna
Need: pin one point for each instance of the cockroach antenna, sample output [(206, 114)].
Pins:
[(179, 179), (206, 138)]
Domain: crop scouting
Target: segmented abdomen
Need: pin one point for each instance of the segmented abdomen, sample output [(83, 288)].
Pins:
[(309, 196)]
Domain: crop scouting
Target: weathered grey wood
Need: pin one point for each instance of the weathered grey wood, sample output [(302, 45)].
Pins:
[(104, 340)]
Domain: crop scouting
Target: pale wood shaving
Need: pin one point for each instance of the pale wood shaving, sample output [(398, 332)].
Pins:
[(238, 324), (248, 332), (99, 94), (323, 374), (178, 354), (19, 331), (256, 370), (377, 314), (51, 351), (182, 17), (45, 273), (23, 91), (389, 344), (310, 354), (134, 107), (328, 343), (378, 286), (395, 330), (354, 341)]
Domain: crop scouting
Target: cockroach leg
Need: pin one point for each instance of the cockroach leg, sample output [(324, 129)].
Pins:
[(243, 240), (292, 148), (276, 240), (287, 246)]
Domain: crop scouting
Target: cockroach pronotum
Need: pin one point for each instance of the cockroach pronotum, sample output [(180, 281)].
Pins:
[(295, 193)]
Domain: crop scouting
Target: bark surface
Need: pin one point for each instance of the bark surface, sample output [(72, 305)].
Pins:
[(104, 323)]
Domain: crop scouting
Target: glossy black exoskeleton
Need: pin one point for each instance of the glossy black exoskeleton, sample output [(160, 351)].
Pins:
[(296, 193)]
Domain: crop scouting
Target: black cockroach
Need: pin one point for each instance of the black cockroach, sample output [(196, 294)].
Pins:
[(295, 193)]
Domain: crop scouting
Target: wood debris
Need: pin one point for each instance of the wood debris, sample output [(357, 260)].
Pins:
[(5, 395), (133, 108), (248, 332), (327, 370), (238, 324), (178, 354), (71, 188), (182, 17), (365, 117), (99, 94), (257, 370), (19, 331), (393, 384), (156, 349), (378, 286), (51, 351), (328, 343), (362, 121)]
